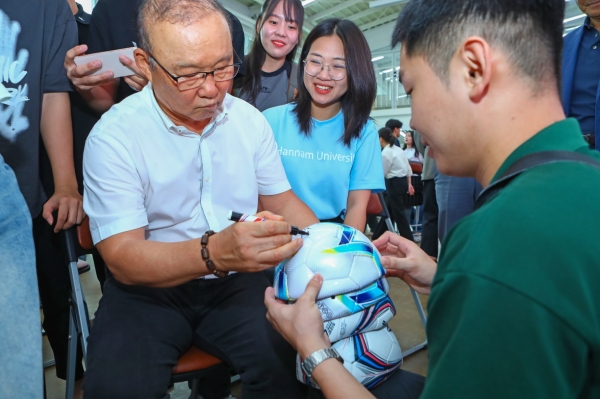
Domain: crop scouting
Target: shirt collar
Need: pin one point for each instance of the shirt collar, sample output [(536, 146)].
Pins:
[(564, 135), (182, 130), (82, 17)]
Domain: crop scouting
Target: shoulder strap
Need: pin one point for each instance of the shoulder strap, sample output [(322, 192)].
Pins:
[(529, 162), (292, 82)]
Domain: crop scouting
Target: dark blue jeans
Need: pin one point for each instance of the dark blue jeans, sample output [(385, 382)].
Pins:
[(456, 199), (20, 333)]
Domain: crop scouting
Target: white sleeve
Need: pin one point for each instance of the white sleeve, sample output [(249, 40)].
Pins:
[(270, 174), (113, 193), (387, 161)]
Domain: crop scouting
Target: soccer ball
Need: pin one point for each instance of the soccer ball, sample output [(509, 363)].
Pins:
[(370, 357), (353, 302), (341, 254), (373, 318)]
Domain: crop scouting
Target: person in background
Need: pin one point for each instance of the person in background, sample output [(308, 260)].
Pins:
[(327, 142), (514, 301), (429, 240), (35, 37), (272, 77), (581, 73), (456, 198), (398, 182), (113, 26), (411, 150), (21, 344), (396, 127)]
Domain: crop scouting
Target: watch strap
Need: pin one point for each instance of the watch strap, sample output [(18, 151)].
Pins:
[(311, 362)]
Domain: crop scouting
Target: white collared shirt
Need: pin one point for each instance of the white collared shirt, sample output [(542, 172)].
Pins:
[(395, 162), (141, 170)]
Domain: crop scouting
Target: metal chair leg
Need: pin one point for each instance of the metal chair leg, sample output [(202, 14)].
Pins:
[(70, 389)]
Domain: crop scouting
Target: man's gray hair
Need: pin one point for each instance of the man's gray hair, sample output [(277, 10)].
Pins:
[(185, 12)]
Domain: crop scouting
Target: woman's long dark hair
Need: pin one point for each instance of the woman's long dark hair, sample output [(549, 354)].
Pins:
[(294, 11), (413, 144), (362, 86)]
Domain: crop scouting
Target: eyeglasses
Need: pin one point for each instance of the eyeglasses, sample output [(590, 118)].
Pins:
[(313, 67), (195, 80)]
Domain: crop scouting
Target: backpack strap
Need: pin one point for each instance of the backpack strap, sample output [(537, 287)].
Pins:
[(292, 82), (529, 162)]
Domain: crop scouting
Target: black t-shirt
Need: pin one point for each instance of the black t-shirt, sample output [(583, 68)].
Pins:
[(35, 36), (114, 26)]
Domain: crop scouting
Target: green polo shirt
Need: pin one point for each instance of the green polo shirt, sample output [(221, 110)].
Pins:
[(514, 310)]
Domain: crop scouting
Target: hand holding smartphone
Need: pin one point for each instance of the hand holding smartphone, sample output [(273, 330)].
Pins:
[(110, 61)]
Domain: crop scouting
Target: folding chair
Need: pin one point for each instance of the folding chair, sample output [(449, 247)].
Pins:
[(388, 221), (191, 366)]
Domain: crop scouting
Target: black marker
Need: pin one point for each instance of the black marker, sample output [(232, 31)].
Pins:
[(240, 217)]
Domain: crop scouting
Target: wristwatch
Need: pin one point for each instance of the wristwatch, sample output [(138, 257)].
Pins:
[(309, 364)]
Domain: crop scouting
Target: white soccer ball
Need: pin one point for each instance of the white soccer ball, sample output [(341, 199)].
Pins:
[(343, 255), (373, 318), (353, 302), (370, 357)]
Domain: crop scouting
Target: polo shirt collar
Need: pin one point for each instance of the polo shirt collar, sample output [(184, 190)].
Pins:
[(564, 135), (182, 130)]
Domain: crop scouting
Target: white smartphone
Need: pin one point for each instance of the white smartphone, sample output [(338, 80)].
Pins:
[(110, 61)]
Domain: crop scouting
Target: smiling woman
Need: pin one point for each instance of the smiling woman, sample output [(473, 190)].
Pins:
[(271, 79), (331, 120)]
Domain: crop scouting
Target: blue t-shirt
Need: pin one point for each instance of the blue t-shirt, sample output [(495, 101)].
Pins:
[(320, 168)]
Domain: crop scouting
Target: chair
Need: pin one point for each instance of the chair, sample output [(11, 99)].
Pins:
[(191, 366), (388, 221)]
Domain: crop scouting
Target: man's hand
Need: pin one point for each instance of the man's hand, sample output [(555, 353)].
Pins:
[(69, 204), (137, 81), (411, 189), (404, 259), (253, 247), (300, 324), (81, 76)]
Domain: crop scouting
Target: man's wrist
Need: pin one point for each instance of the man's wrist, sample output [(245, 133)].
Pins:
[(310, 347)]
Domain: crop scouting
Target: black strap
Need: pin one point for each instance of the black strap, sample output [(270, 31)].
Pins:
[(529, 162)]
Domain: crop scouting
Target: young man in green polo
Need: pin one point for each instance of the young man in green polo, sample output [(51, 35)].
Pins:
[(514, 310)]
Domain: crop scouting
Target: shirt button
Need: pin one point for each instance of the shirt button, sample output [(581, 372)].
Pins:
[(207, 179), (594, 47)]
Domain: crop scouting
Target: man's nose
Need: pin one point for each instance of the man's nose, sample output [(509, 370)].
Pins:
[(209, 88)]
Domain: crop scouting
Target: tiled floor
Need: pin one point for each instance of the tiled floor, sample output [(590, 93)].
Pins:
[(406, 325)]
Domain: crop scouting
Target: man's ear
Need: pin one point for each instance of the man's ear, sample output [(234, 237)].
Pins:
[(142, 61), (475, 57)]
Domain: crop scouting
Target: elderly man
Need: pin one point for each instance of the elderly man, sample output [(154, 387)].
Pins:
[(162, 169), (581, 72), (514, 310)]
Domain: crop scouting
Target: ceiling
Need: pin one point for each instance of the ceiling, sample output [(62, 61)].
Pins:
[(376, 22)]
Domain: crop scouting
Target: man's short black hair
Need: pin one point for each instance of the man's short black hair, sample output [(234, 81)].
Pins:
[(529, 31), (393, 124)]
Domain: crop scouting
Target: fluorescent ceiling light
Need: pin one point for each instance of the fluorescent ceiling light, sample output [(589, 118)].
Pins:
[(386, 71), (307, 2), (377, 58)]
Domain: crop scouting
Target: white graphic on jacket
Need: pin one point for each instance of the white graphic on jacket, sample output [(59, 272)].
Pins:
[(12, 71)]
